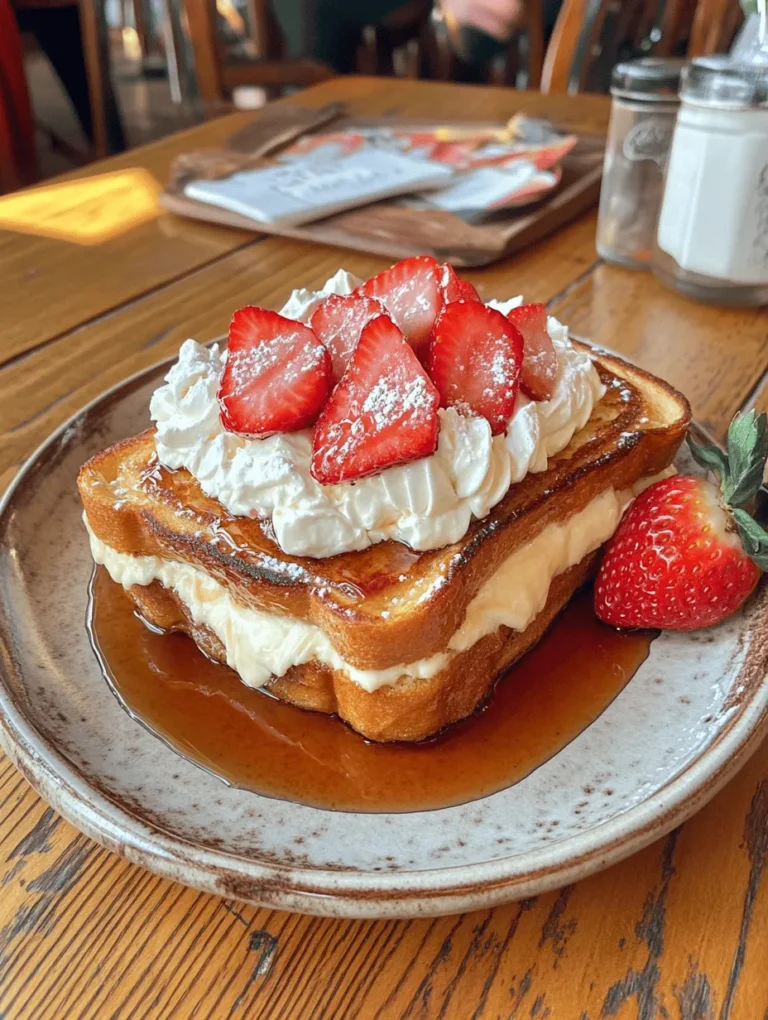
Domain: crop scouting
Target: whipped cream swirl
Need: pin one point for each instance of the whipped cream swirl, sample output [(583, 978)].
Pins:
[(427, 503)]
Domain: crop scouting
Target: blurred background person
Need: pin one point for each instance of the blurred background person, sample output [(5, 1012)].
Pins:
[(330, 30)]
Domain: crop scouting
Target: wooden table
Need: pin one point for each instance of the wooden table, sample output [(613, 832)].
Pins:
[(678, 931)]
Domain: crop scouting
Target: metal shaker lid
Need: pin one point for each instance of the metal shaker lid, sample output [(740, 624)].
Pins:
[(652, 79), (715, 81)]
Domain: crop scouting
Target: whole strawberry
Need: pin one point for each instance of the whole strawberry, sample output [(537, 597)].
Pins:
[(687, 554)]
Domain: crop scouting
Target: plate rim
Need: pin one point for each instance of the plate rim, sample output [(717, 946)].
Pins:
[(363, 894)]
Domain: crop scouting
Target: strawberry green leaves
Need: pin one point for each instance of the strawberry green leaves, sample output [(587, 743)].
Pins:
[(747, 452), (741, 475), (741, 468), (710, 457)]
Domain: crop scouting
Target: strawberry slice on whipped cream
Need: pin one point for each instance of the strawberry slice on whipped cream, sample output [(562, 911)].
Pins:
[(382, 413), (338, 323), (277, 376), (412, 295), (475, 361), (241, 420)]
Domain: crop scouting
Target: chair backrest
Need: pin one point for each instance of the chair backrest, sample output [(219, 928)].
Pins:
[(217, 75), (715, 23), (590, 36), (526, 50), (519, 66)]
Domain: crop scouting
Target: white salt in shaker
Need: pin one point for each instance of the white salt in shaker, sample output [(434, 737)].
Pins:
[(643, 111), (712, 239)]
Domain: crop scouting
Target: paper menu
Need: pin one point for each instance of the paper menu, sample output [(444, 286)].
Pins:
[(302, 191), (457, 148), (491, 188), (507, 167)]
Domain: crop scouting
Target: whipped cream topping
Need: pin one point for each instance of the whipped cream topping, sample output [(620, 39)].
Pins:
[(427, 503), (260, 645), (302, 303)]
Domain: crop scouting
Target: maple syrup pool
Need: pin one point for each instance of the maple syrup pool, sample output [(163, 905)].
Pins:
[(251, 740)]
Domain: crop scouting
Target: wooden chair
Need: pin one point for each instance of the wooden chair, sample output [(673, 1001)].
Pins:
[(107, 130), (217, 76), (715, 24), (590, 36), (406, 29), (18, 163), (96, 50), (141, 24), (534, 28), (519, 67), (525, 52)]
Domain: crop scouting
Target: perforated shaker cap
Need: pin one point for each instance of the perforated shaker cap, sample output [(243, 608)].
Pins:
[(715, 81), (652, 79)]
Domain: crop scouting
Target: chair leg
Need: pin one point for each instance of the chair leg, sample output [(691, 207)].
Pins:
[(94, 69), (142, 30), (438, 58), (201, 22), (108, 137)]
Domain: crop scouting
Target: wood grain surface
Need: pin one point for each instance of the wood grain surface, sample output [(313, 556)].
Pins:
[(82, 244), (678, 931)]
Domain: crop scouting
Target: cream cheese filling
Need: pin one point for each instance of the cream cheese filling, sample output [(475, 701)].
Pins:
[(260, 645)]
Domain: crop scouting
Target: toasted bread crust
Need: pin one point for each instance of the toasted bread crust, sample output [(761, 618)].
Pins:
[(137, 507)]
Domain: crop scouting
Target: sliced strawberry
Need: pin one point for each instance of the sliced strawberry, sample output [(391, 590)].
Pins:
[(454, 288), (475, 361), (410, 291), (339, 321), (277, 375), (383, 412), (540, 362)]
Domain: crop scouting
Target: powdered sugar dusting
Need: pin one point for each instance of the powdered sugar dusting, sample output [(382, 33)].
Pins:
[(394, 398), (293, 571), (499, 367), (246, 365), (502, 375), (383, 413), (397, 402)]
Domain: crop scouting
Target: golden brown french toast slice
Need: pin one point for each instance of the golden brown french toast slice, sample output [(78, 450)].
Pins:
[(387, 604)]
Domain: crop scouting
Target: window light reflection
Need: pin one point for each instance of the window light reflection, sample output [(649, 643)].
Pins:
[(86, 211)]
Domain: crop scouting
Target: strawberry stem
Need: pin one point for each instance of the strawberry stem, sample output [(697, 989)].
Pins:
[(740, 471)]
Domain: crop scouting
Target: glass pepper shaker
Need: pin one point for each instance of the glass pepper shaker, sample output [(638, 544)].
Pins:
[(643, 111), (713, 229)]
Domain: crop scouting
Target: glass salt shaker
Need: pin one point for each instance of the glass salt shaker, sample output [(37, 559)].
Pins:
[(643, 112), (713, 229)]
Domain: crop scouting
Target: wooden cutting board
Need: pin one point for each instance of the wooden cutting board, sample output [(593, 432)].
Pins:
[(386, 228)]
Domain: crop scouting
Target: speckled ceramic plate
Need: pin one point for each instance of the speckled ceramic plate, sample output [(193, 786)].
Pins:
[(681, 727)]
